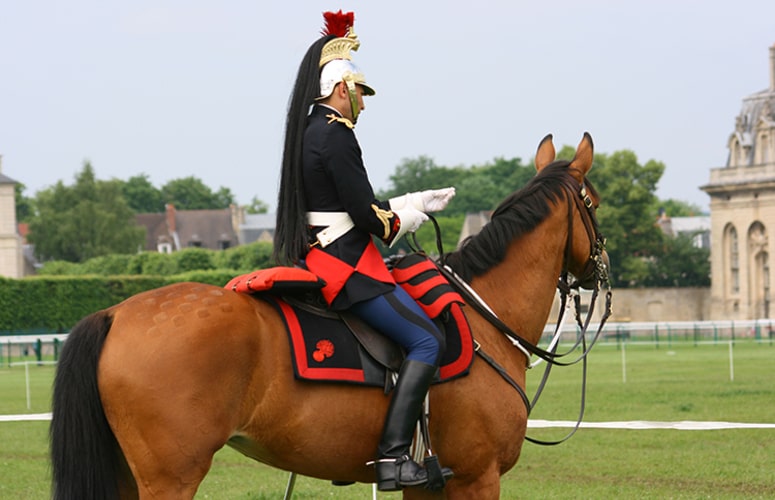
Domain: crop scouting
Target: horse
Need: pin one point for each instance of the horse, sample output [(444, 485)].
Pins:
[(148, 390)]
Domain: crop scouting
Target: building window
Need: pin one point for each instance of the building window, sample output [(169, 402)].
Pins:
[(763, 149), (760, 278), (734, 260), (737, 154), (164, 248), (195, 241)]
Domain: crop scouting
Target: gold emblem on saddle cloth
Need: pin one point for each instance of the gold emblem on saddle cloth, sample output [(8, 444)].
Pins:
[(334, 118), (384, 217)]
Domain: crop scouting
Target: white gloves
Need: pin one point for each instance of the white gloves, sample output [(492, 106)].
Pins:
[(411, 220), (431, 200), (411, 208), (437, 199)]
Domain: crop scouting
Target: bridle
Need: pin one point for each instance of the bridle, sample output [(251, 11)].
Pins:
[(595, 272), (594, 269)]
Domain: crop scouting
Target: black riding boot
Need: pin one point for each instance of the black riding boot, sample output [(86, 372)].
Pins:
[(395, 468)]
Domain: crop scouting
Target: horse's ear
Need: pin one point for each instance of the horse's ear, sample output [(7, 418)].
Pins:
[(545, 154), (585, 153)]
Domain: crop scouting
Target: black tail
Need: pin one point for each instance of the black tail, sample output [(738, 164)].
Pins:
[(85, 456)]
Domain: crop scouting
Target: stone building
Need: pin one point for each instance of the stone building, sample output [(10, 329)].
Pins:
[(742, 207), (11, 257)]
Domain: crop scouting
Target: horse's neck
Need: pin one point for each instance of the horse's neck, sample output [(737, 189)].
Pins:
[(521, 289)]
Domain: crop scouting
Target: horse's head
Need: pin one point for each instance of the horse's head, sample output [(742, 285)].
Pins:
[(585, 254)]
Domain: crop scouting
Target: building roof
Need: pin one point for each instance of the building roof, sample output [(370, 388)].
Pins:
[(4, 179), (758, 109), (184, 228), (257, 227)]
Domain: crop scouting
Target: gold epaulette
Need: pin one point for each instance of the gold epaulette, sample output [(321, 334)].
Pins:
[(334, 118)]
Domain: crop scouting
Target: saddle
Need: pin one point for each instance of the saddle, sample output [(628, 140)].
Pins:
[(332, 346)]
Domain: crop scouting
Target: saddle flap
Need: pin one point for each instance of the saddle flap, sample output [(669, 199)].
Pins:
[(382, 349)]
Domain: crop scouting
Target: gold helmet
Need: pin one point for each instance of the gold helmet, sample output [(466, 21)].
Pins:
[(336, 60)]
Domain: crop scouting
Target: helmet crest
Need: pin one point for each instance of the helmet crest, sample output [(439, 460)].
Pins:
[(337, 23), (340, 25)]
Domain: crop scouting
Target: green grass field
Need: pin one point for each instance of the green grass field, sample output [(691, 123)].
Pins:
[(676, 383)]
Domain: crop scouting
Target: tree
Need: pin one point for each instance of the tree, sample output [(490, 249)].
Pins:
[(478, 187), (89, 219), (224, 198), (679, 263), (142, 196), (25, 207), (257, 206), (190, 193), (677, 208), (420, 174), (627, 214), (475, 193), (449, 226)]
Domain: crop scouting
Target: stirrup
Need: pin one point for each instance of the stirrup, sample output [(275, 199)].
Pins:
[(389, 474)]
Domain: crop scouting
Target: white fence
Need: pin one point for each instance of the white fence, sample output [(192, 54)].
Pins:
[(46, 345), (22, 347), (675, 331)]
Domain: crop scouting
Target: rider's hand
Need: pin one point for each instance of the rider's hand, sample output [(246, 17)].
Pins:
[(436, 199), (431, 200)]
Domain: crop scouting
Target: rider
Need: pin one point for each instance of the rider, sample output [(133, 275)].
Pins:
[(326, 216)]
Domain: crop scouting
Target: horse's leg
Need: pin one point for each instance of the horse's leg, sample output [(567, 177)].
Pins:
[(485, 487), (481, 439), (168, 443), (127, 486), (173, 376)]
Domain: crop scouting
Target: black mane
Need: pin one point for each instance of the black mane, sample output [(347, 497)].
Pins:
[(518, 214)]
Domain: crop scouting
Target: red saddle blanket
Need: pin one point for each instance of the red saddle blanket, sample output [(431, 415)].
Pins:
[(325, 347)]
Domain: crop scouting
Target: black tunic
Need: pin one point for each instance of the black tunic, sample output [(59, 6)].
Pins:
[(335, 180)]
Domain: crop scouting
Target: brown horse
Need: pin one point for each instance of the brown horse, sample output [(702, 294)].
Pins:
[(148, 390)]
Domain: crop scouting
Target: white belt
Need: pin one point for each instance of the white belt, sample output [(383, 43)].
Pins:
[(338, 224)]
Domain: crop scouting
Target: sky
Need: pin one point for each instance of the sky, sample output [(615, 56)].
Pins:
[(179, 88)]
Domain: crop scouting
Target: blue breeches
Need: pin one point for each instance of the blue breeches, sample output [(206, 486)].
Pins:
[(397, 316)]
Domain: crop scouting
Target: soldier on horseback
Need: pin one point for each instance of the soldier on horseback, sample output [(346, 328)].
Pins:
[(327, 213)]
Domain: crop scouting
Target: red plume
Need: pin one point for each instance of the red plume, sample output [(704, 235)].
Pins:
[(338, 23)]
